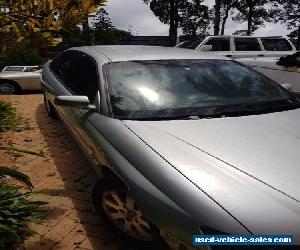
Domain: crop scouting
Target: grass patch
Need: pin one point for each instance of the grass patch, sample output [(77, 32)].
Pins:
[(8, 117), (9, 120), (16, 210)]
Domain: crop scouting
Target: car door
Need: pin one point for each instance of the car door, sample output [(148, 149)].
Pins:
[(276, 47), (247, 47), (35, 79), (219, 45), (82, 80)]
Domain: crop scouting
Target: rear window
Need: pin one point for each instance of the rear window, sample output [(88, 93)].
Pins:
[(246, 44), (276, 44), (31, 69)]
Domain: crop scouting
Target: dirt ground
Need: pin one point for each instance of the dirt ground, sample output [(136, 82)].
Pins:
[(61, 176)]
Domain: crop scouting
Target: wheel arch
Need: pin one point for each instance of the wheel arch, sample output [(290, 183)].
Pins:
[(16, 84), (108, 173)]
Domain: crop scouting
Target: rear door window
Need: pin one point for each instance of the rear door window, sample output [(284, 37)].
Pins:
[(219, 43), (246, 44), (276, 44)]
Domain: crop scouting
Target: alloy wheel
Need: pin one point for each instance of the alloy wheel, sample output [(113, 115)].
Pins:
[(122, 210)]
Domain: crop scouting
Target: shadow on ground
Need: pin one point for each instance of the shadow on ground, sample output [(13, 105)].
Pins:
[(70, 191)]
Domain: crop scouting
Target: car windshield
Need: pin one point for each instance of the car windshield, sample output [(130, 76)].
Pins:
[(174, 89)]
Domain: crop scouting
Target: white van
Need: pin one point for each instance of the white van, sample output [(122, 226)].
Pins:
[(242, 46)]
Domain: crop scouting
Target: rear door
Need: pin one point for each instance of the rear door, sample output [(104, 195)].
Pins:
[(247, 47), (276, 47)]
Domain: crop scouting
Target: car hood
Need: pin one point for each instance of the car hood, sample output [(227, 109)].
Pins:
[(266, 147), (249, 165)]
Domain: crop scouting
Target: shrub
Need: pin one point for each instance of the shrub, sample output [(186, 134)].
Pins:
[(8, 117), (16, 210), (21, 54)]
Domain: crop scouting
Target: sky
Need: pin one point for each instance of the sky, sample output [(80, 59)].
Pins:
[(137, 16)]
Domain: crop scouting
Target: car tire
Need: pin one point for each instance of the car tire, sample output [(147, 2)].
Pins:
[(116, 207), (50, 108), (7, 88)]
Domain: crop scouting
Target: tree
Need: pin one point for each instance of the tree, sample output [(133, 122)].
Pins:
[(220, 13), (226, 7), (217, 17), (240, 33), (102, 20), (253, 12), (104, 32), (288, 12), (175, 13), (196, 19), (24, 18), (169, 12)]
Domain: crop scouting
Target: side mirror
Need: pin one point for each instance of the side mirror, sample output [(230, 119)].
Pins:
[(287, 86), (206, 47), (72, 101)]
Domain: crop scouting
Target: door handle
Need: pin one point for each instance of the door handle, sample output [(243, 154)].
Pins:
[(261, 55), (228, 55)]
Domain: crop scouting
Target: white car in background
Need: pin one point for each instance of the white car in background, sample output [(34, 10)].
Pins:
[(16, 82), (241, 46), (284, 70), (20, 68)]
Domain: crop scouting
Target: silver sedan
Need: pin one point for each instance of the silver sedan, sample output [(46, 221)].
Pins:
[(183, 142)]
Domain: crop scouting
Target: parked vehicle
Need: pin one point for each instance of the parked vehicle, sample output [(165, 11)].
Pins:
[(20, 68), (284, 70), (16, 82), (242, 46), (183, 142)]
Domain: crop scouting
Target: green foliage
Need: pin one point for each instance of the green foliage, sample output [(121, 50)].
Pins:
[(16, 210), (111, 36), (190, 15), (253, 12), (287, 12), (196, 19), (102, 21), (22, 54), (240, 33), (4, 171), (104, 33), (8, 117)]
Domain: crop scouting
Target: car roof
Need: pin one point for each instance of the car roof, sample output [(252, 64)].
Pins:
[(118, 53)]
